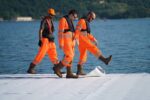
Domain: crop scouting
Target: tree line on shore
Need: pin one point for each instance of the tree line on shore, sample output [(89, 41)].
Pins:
[(112, 9)]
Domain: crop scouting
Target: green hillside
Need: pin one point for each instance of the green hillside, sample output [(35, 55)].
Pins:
[(104, 8)]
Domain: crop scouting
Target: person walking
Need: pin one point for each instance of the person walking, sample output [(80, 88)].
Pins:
[(66, 43), (87, 42), (46, 42)]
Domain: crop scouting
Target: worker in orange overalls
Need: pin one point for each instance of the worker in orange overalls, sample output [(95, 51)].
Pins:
[(66, 43), (46, 42), (87, 42)]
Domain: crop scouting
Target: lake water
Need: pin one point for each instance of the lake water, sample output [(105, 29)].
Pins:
[(128, 40)]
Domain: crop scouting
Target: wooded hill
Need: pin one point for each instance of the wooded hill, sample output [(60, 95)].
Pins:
[(104, 8)]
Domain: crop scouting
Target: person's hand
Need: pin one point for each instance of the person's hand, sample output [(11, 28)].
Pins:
[(40, 43), (96, 42), (73, 38), (77, 41), (60, 46)]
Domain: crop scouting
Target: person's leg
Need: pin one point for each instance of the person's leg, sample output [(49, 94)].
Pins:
[(82, 60), (68, 58), (67, 61), (40, 55), (69, 73), (96, 52), (52, 54)]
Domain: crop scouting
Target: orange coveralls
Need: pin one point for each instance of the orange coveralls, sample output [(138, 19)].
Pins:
[(47, 47), (50, 49), (85, 42), (66, 41)]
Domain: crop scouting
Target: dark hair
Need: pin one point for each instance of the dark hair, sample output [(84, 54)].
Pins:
[(90, 13), (73, 11)]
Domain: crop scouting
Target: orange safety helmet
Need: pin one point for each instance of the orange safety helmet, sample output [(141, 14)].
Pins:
[(51, 11)]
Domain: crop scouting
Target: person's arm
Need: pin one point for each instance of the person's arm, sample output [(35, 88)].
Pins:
[(60, 33), (78, 29), (92, 38), (40, 32)]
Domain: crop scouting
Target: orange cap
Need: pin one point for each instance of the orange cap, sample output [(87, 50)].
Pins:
[(51, 11)]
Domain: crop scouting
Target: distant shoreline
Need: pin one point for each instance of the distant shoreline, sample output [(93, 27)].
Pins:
[(12, 20)]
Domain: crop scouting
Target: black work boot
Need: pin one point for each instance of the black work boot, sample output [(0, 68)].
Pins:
[(31, 69), (106, 60), (80, 70), (70, 74), (57, 68)]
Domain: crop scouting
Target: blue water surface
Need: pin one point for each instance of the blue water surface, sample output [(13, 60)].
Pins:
[(128, 40)]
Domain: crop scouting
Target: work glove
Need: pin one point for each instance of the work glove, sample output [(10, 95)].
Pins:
[(96, 42), (60, 46), (40, 43)]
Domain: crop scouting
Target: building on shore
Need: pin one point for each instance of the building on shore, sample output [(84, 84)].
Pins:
[(24, 18), (1, 19)]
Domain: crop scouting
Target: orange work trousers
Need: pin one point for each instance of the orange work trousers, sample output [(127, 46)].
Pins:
[(86, 45), (50, 49), (68, 50)]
